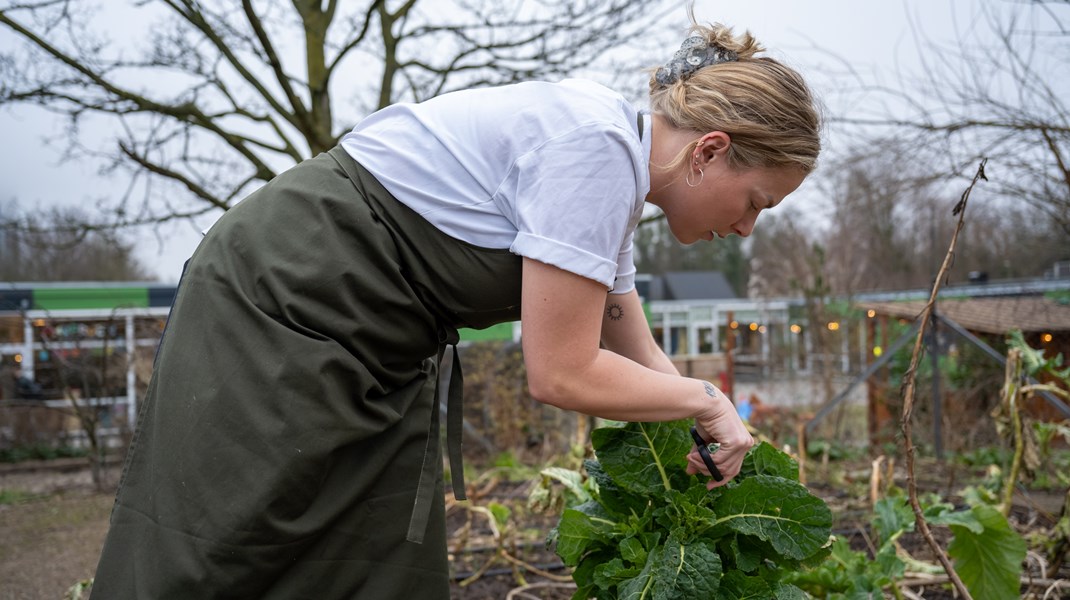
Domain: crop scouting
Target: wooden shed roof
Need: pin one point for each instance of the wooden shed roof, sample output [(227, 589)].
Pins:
[(989, 315)]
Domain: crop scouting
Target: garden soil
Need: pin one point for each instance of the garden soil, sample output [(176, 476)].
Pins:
[(53, 523)]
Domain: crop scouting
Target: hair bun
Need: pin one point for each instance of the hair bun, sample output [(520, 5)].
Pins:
[(745, 46), (696, 52)]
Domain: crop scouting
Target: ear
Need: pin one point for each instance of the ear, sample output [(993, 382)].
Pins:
[(709, 147)]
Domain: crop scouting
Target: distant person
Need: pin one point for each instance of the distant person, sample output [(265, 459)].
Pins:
[(744, 407), (288, 445)]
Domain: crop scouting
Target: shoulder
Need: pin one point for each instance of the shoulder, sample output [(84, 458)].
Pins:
[(575, 111), (594, 102), (555, 106)]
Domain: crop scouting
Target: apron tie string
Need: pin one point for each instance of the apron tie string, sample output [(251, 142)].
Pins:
[(425, 490), (455, 426)]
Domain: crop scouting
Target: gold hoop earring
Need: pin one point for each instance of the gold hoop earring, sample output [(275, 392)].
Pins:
[(687, 178)]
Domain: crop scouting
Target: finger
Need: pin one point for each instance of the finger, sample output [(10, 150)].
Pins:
[(716, 484), (696, 466)]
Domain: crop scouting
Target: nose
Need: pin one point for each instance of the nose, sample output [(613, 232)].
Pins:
[(744, 226)]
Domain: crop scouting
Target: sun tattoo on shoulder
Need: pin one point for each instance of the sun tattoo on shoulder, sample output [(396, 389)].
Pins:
[(615, 312)]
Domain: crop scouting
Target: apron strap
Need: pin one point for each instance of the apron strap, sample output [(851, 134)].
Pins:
[(425, 490), (455, 426)]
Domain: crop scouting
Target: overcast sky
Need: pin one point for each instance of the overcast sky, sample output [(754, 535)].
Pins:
[(815, 36)]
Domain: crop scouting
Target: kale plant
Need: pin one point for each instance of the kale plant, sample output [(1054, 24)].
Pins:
[(988, 553), (646, 530)]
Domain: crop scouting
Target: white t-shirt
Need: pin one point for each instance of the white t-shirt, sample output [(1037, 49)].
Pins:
[(555, 172)]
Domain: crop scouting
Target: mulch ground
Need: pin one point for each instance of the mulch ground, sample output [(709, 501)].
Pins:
[(53, 522)]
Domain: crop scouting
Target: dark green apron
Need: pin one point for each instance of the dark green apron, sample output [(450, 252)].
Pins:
[(288, 443)]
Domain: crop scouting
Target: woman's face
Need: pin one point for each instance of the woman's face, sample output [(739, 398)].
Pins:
[(725, 200)]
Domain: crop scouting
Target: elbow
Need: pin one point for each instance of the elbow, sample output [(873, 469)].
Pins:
[(550, 388)]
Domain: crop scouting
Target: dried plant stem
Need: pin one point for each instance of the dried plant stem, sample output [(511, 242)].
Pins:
[(519, 592), (533, 569), (908, 392), (1045, 387), (1011, 395)]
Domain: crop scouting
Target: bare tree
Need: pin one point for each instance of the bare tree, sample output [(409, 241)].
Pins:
[(881, 229), (657, 252), (85, 377), (780, 253), (224, 95), (62, 245), (1001, 92), (886, 227)]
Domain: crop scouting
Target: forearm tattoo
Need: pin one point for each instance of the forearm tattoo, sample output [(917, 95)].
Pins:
[(710, 390), (615, 312)]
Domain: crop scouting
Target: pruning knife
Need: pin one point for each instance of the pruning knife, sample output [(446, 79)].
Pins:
[(704, 451)]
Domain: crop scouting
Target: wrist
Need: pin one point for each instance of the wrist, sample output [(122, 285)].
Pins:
[(714, 402)]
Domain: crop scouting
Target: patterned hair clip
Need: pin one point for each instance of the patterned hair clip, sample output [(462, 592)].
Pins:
[(693, 54)]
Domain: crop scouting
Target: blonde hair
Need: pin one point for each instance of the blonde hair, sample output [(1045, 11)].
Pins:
[(763, 105)]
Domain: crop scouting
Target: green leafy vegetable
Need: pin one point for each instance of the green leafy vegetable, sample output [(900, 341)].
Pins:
[(988, 553), (779, 511), (990, 561), (640, 456), (652, 532)]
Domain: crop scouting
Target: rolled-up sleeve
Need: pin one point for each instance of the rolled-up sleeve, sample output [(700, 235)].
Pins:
[(574, 203)]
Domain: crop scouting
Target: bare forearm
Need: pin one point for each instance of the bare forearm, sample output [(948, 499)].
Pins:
[(659, 361), (615, 387), (630, 380)]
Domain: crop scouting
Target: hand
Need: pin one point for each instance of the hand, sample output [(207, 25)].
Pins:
[(720, 423)]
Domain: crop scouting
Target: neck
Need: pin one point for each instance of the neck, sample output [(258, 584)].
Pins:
[(666, 142)]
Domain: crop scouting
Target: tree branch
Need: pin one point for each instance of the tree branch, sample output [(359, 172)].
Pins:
[(157, 169), (956, 126), (186, 112), (283, 79), (357, 39), (195, 18)]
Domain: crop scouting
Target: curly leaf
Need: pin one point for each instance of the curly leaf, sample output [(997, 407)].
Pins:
[(691, 571), (610, 495), (681, 510), (779, 511), (764, 459), (676, 571), (642, 457)]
